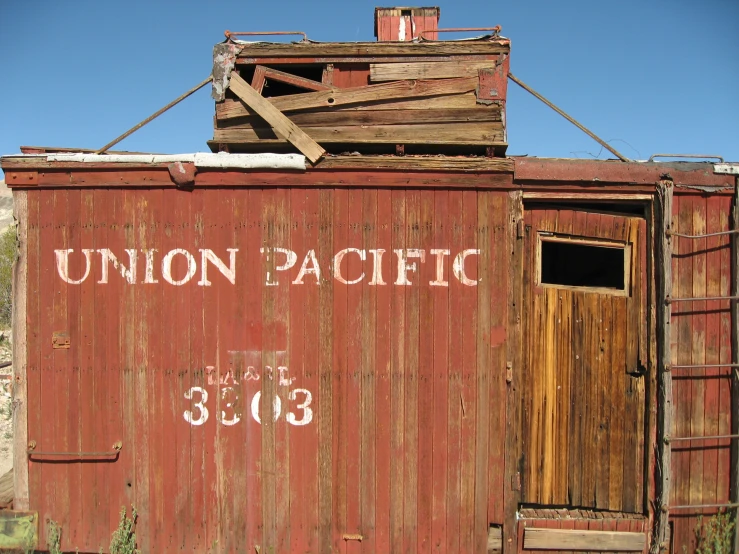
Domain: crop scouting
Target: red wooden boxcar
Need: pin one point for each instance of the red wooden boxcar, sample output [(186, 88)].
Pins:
[(373, 353)]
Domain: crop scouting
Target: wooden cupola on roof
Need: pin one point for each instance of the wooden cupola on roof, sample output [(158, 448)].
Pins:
[(407, 93)]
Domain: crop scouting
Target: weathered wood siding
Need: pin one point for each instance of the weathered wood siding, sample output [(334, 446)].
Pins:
[(391, 410), (701, 334), (584, 392)]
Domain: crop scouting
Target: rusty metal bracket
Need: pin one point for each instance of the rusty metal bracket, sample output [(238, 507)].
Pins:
[(709, 156), (496, 30), (115, 450), (60, 339), (229, 34)]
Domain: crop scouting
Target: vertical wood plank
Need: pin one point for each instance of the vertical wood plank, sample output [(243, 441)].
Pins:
[(326, 371), (22, 353), (369, 378), (341, 375), (468, 306), (411, 389), (425, 382), (385, 478), (485, 368), (441, 376), (398, 380)]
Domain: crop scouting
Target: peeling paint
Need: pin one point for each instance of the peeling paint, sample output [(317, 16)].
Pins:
[(224, 59)]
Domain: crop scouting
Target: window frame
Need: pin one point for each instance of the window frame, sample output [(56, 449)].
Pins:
[(548, 236)]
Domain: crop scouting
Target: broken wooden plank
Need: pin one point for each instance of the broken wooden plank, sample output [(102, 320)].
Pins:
[(427, 70), (257, 81), (371, 93), (446, 133), (233, 108), (291, 79), (593, 541), (278, 120), (371, 117)]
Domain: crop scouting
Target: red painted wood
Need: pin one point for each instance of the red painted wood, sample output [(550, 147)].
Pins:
[(398, 459)]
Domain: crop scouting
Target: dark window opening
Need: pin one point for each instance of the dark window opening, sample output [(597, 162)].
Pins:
[(577, 264)]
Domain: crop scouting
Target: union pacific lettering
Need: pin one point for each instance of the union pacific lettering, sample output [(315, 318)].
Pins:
[(280, 265)]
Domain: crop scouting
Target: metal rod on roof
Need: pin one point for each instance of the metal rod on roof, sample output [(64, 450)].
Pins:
[(154, 115), (584, 129)]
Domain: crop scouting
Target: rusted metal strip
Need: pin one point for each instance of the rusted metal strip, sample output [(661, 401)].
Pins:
[(496, 30), (154, 115), (670, 300), (712, 437), (732, 232), (115, 450), (700, 506), (229, 34), (710, 156), (689, 366), (569, 118)]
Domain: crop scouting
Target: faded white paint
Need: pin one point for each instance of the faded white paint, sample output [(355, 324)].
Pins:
[(307, 411), (167, 267), (440, 253), (276, 407), (128, 273), (404, 267), (275, 259), (62, 265), (458, 267), (290, 259), (310, 257), (221, 160), (228, 272), (339, 256), (202, 410), (401, 29)]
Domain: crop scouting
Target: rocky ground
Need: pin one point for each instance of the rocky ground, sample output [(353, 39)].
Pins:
[(6, 409)]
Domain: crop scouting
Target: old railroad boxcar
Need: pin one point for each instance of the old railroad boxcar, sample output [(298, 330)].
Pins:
[(422, 345)]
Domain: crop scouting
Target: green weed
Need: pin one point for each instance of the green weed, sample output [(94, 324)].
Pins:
[(716, 535)]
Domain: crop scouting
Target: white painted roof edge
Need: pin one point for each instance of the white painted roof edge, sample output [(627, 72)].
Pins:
[(222, 160), (728, 168)]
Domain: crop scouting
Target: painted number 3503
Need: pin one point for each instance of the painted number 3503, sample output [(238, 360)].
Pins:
[(229, 414)]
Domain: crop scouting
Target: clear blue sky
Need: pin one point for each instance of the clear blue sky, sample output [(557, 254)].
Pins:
[(647, 75)]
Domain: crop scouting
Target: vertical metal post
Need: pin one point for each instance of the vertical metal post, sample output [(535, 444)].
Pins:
[(734, 476), (664, 403)]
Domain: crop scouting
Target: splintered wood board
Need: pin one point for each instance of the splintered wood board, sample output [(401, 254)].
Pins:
[(371, 93), (427, 70), (374, 117), (276, 119), (445, 133), (234, 108)]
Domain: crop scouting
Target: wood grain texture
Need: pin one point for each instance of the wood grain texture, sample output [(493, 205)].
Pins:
[(576, 406), (427, 70), (20, 357), (593, 541), (424, 133), (276, 119), (231, 108), (349, 118), (371, 93)]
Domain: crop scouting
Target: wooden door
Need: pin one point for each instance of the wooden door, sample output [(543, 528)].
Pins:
[(584, 357)]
